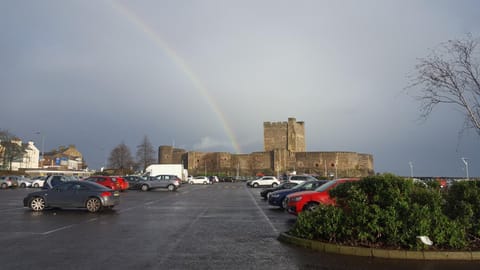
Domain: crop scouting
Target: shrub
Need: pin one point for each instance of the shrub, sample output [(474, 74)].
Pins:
[(389, 211)]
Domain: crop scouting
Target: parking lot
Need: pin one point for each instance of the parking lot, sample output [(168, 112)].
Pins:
[(220, 226)]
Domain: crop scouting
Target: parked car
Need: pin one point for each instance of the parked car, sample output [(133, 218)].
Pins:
[(285, 185), (38, 182), (199, 180), (279, 198), (8, 182), (228, 179), (5, 182), (107, 181), (55, 180), (170, 182), (134, 181), (73, 194), (309, 200), (213, 179), (24, 182), (270, 181), (300, 178), (124, 185)]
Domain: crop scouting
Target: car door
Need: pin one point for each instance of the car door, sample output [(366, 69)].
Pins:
[(169, 179), (59, 196), (267, 181), (79, 194)]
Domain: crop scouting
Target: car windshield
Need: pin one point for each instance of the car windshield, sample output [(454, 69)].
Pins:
[(326, 186), (297, 185)]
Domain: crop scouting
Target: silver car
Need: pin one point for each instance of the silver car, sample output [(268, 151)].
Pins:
[(8, 182), (171, 182)]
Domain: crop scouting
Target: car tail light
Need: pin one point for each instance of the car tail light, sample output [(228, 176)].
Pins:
[(106, 194)]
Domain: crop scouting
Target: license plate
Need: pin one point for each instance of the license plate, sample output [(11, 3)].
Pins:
[(116, 193)]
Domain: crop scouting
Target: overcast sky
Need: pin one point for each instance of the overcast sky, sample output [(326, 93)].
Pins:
[(204, 75)]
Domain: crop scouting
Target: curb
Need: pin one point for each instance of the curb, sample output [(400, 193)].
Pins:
[(380, 253)]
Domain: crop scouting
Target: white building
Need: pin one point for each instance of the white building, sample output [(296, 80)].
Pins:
[(30, 158)]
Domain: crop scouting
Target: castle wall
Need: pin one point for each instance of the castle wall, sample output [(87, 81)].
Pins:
[(284, 144), (344, 164)]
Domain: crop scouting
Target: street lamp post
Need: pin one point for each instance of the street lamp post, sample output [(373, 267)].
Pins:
[(465, 161), (411, 168)]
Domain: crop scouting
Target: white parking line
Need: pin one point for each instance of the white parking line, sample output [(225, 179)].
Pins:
[(261, 211), (58, 229)]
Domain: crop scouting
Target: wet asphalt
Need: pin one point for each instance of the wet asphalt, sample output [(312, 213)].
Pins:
[(220, 226)]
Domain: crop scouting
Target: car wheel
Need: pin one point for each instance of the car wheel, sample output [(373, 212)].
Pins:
[(23, 185), (255, 185), (4, 186), (191, 182), (93, 205), (36, 185), (37, 204), (204, 182), (310, 206), (274, 184), (284, 203), (144, 188), (171, 187)]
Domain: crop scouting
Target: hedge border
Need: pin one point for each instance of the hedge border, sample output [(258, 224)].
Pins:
[(380, 253)]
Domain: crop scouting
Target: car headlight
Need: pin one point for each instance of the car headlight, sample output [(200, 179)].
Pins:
[(296, 199)]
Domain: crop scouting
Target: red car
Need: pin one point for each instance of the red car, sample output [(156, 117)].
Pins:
[(108, 181), (308, 200), (123, 183)]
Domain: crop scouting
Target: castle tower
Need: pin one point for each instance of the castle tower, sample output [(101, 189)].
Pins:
[(284, 135), (165, 154)]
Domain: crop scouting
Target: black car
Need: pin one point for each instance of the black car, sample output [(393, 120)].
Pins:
[(73, 194), (228, 179), (285, 185)]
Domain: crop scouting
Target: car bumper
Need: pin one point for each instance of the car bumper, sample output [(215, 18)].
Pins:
[(292, 210), (275, 201), (111, 200)]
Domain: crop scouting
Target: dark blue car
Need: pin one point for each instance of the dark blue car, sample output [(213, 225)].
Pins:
[(278, 198)]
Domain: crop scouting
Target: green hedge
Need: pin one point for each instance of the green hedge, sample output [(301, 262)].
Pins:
[(390, 212)]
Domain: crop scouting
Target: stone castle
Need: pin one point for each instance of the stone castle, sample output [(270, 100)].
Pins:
[(284, 152)]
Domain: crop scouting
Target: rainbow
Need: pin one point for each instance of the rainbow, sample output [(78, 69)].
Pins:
[(180, 62)]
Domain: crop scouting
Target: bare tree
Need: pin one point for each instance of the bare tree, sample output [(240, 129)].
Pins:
[(451, 75), (121, 159), (10, 149), (145, 153)]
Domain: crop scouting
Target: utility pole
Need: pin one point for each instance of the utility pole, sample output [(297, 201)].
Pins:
[(465, 161)]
